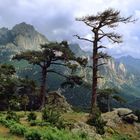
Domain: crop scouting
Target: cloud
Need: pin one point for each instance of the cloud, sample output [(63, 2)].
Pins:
[(56, 19)]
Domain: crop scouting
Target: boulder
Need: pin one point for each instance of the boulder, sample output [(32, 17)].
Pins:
[(131, 118), (85, 128), (123, 111), (117, 116), (58, 102), (112, 118), (127, 115)]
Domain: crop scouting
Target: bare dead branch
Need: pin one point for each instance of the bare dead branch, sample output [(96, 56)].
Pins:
[(101, 47), (83, 38)]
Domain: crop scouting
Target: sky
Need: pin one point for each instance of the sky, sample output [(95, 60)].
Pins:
[(56, 20)]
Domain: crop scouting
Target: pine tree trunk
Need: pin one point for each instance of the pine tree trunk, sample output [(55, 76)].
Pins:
[(43, 86), (94, 77), (25, 109), (108, 103)]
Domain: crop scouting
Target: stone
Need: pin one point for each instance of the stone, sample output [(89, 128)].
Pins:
[(58, 102), (123, 111), (85, 128), (117, 116)]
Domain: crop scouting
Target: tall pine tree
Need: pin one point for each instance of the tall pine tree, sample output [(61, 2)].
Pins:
[(53, 53), (101, 25)]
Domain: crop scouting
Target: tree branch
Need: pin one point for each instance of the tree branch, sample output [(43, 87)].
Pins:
[(57, 73), (100, 64), (101, 47), (116, 38), (81, 38), (58, 64)]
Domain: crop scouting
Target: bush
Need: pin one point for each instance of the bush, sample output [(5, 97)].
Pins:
[(33, 135), (50, 115), (55, 134), (6, 123), (32, 116), (119, 137), (137, 113), (17, 129), (83, 135), (96, 120), (53, 117), (12, 116)]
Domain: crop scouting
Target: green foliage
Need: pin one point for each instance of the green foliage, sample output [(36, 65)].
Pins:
[(6, 123), (33, 135), (105, 96), (119, 137), (24, 101), (32, 116), (53, 117), (17, 129), (96, 120), (56, 134), (50, 115), (137, 113), (83, 135), (44, 133), (14, 103), (6, 69), (12, 116)]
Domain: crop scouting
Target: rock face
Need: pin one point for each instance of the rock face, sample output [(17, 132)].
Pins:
[(85, 128), (20, 38), (118, 116), (58, 102), (127, 115), (24, 37)]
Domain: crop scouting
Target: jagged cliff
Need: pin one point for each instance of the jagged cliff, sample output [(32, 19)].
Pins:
[(24, 37), (21, 37)]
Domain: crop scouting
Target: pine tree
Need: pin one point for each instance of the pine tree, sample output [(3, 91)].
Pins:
[(101, 25), (109, 94), (53, 53)]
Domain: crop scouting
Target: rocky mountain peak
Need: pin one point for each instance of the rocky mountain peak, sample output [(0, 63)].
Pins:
[(23, 28)]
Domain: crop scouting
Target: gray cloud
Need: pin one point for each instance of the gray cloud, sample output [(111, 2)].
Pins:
[(56, 19)]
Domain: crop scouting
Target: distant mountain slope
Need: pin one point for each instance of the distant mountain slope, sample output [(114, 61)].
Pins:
[(21, 37), (132, 64), (121, 73)]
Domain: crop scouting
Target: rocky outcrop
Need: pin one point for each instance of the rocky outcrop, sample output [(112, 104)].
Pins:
[(119, 116), (58, 102), (20, 38), (87, 129), (127, 115)]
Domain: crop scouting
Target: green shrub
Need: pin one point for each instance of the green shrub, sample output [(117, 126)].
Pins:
[(50, 115), (119, 137), (33, 135), (137, 113), (17, 129), (12, 116), (96, 120), (83, 135), (6, 123), (54, 118), (56, 134), (32, 116)]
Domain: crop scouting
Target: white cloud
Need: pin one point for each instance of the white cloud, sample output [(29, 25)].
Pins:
[(56, 19)]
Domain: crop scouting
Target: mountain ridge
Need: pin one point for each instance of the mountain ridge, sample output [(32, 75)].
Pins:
[(24, 36)]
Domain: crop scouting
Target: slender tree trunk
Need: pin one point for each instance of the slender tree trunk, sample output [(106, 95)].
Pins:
[(43, 86), (25, 109), (108, 103), (94, 77)]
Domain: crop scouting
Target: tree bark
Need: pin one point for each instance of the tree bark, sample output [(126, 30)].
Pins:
[(43, 86), (94, 77)]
